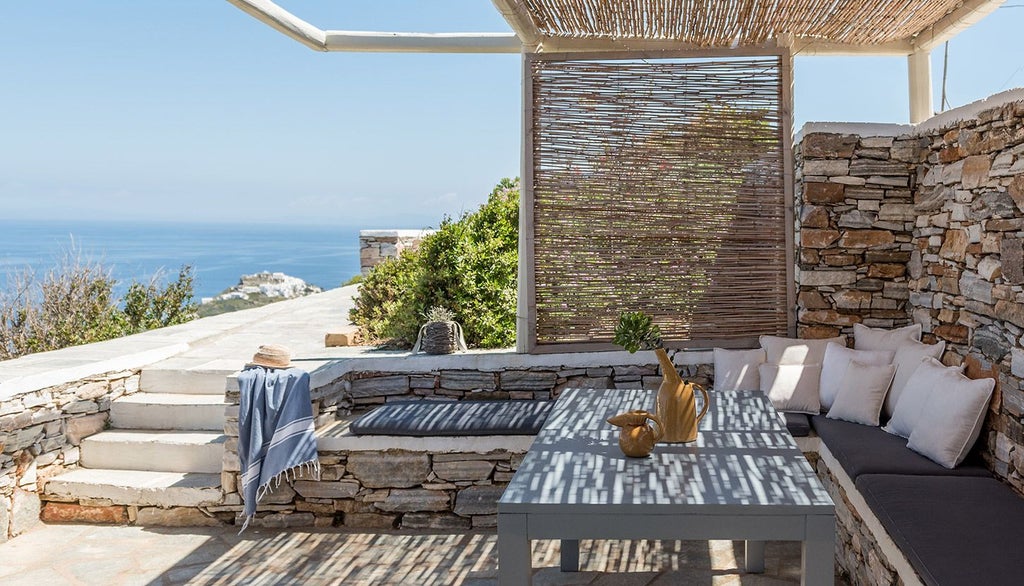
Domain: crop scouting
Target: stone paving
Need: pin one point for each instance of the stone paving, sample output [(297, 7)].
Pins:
[(81, 554)]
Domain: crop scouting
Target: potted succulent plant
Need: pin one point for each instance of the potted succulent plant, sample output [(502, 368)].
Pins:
[(675, 401), (440, 334)]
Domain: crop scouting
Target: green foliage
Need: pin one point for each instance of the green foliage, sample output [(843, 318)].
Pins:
[(74, 304), (636, 331), (468, 266), (355, 280), (439, 314), (147, 307)]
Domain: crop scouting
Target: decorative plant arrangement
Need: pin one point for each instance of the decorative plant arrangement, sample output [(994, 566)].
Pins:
[(675, 406), (441, 334)]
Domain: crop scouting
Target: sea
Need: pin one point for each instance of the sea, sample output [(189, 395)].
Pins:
[(220, 254)]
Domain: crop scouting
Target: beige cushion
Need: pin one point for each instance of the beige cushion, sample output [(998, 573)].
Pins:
[(835, 369), (862, 393), (865, 338), (951, 419), (792, 387), (736, 370), (930, 375), (908, 357), (779, 350)]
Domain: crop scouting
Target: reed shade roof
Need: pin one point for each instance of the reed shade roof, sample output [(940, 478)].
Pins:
[(658, 186), (724, 23)]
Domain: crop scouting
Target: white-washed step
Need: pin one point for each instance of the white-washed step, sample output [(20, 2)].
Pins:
[(168, 411), (136, 487), (159, 451), (180, 380)]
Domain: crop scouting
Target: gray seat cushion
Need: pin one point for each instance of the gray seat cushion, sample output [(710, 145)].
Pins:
[(953, 531), (454, 418), (863, 449), (798, 424)]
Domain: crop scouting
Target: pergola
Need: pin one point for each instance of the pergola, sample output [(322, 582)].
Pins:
[(911, 28), (657, 149)]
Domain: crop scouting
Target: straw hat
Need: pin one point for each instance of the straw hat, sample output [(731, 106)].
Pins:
[(272, 356)]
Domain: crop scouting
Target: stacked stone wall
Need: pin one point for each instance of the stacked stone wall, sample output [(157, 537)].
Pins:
[(854, 221), (39, 436), (375, 246), (967, 267), (414, 490)]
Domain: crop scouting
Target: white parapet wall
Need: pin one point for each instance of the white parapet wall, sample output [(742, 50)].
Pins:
[(378, 245)]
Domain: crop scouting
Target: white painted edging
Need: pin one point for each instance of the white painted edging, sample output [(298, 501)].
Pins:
[(892, 552)]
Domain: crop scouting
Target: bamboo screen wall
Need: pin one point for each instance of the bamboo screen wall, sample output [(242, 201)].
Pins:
[(657, 186)]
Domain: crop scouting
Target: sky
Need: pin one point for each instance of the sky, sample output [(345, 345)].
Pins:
[(194, 111)]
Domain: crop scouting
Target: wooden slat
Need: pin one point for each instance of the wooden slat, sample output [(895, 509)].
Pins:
[(658, 186)]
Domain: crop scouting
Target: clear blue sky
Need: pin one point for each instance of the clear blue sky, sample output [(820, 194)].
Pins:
[(192, 110)]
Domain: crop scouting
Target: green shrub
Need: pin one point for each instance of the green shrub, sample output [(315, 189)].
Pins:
[(74, 304), (468, 265)]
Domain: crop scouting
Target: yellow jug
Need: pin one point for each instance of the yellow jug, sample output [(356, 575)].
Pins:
[(637, 437), (676, 405)]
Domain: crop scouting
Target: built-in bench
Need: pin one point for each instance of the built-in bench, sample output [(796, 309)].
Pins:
[(933, 525)]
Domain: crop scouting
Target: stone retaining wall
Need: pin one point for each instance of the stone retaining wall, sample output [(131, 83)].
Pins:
[(415, 490), (378, 245), (39, 436)]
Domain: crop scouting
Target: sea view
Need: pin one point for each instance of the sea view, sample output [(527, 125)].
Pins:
[(220, 253)]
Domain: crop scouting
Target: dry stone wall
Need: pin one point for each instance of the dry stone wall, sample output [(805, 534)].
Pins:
[(385, 489), (39, 436), (855, 217), (375, 246), (967, 266)]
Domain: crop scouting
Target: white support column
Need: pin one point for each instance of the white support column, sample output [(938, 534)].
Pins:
[(919, 69)]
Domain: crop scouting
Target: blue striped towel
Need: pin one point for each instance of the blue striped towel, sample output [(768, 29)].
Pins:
[(275, 431)]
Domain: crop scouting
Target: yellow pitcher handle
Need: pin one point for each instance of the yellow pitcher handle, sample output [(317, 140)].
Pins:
[(707, 403), (661, 426)]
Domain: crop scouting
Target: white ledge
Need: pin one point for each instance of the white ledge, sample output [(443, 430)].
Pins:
[(337, 438)]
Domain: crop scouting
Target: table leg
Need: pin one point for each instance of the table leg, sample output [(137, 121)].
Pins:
[(819, 551), (570, 555), (514, 561), (754, 557)]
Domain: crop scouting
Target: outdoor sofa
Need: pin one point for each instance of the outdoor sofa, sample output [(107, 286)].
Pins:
[(931, 523)]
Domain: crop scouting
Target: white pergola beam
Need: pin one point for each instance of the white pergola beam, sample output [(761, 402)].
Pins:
[(294, 27), (799, 46), (919, 71), (423, 42), (949, 26), (284, 22)]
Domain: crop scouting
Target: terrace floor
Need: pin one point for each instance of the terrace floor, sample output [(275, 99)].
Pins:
[(84, 554)]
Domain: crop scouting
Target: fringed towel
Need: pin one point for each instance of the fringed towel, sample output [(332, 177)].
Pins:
[(275, 430)]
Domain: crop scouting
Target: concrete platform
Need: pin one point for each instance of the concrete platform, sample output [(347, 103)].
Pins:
[(157, 556)]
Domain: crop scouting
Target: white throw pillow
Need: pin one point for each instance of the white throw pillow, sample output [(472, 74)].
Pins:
[(951, 420), (865, 338), (908, 357), (736, 370), (930, 375), (780, 350), (862, 393), (792, 387), (835, 368)]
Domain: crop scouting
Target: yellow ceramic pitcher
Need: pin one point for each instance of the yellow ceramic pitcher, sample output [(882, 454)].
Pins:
[(676, 406), (637, 437)]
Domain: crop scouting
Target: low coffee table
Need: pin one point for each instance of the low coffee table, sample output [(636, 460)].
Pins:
[(744, 478)]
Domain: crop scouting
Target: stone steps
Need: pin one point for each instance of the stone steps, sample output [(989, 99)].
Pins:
[(135, 487), (157, 451), (166, 411), (210, 381)]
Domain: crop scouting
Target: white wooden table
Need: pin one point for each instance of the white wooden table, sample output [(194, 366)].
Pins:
[(744, 478)]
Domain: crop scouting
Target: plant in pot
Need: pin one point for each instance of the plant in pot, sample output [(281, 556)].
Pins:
[(440, 334), (675, 404)]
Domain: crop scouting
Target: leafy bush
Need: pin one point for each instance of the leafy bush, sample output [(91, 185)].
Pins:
[(468, 265), (74, 304)]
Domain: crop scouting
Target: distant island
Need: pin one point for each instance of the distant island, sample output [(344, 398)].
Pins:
[(255, 291)]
